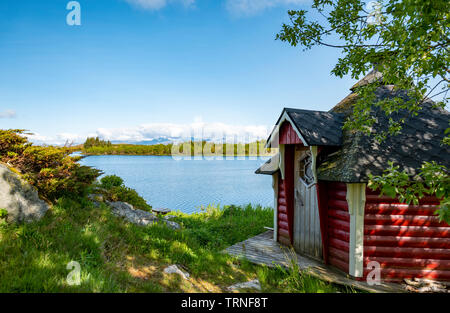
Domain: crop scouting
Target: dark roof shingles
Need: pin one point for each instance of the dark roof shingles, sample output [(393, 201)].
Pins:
[(318, 128), (420, 140)]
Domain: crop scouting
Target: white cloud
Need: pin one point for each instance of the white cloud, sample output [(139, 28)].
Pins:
[(250, 7), (158, 4), (164, 132), (179, 132), (8, 114), (59, 139)]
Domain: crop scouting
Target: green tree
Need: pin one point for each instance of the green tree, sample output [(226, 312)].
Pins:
[(408, 42), (96, 142)]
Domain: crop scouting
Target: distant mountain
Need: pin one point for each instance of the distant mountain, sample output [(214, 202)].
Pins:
[(156, 141)]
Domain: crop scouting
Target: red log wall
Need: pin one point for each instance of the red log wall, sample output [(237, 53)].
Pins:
[(334, 209), (407, 240), (285, 210), (283, 221), (286, 199)]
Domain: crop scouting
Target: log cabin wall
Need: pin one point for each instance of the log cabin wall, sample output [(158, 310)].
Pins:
[(289, 138), (284, 236), (286, 199), (334, 209), (406, 240)]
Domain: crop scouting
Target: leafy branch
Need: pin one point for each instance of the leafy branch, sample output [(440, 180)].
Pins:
[(407, 41), (432, 179)]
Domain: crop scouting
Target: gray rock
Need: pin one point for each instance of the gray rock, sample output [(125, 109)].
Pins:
[(138, 217), (173, 269), (172, 225), (19, 198), (161, 211), (253, 284), (422, 285), (96, 197)]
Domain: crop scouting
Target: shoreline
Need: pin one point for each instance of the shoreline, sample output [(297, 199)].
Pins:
[(182, 156)]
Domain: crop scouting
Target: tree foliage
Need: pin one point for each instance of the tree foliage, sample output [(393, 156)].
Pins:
[(96, 142), (408, 43), (433, 179), (50, 169), (92, 146), (113, 188)]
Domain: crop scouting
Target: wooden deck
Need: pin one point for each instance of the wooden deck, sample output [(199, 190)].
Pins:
[(262, 249)]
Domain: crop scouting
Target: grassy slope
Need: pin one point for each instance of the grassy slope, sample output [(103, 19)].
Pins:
[(119, 257)]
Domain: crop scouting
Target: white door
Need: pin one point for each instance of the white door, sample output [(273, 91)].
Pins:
[(307, 237)]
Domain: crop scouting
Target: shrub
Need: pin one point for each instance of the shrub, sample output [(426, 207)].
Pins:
[(111, 181), (50, 169), (116, 191), (130, 196), (3, 213), (12, 141)]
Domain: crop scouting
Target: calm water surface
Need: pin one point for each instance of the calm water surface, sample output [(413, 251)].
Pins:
[(186, 185)]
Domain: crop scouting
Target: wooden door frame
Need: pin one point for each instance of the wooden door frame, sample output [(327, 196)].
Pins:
[(289, 186)]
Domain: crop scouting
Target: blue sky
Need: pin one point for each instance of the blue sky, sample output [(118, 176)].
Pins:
[(140, 69)]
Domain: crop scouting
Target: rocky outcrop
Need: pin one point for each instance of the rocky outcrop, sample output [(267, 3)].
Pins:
[(173, 269), (254, 284), (138, 217), (96, 199), (19, 198)]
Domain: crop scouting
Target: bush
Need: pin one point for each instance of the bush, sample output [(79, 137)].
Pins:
[(130, 196), (111, 181), (116, 191), (3, 213), (50, 169), (12, 142)]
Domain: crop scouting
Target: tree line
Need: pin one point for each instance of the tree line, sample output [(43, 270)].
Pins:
[(97, 146)]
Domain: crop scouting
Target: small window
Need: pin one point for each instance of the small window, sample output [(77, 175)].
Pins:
[(306, 173)]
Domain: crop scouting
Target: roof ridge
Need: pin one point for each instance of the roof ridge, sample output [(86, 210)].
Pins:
[(305, 110)]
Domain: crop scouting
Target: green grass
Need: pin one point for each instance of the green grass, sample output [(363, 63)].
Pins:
[(116, 256)]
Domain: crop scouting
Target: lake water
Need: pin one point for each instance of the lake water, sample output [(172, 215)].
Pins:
[(186, 185)]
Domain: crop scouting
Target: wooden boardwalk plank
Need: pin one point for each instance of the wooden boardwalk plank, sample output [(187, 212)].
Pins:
[(263, 250)]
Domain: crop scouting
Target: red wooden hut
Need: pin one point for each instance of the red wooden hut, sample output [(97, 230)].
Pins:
[(324, 208)]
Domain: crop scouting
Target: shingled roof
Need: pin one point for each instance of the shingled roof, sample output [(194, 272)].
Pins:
[(317, 128), (270, 167), (350, 156), (420, 140)]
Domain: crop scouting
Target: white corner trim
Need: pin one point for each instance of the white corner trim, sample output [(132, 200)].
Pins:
[(275, 206), (314, 162), (276, 131), (356, 199), (274, 136), (281, 160)]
